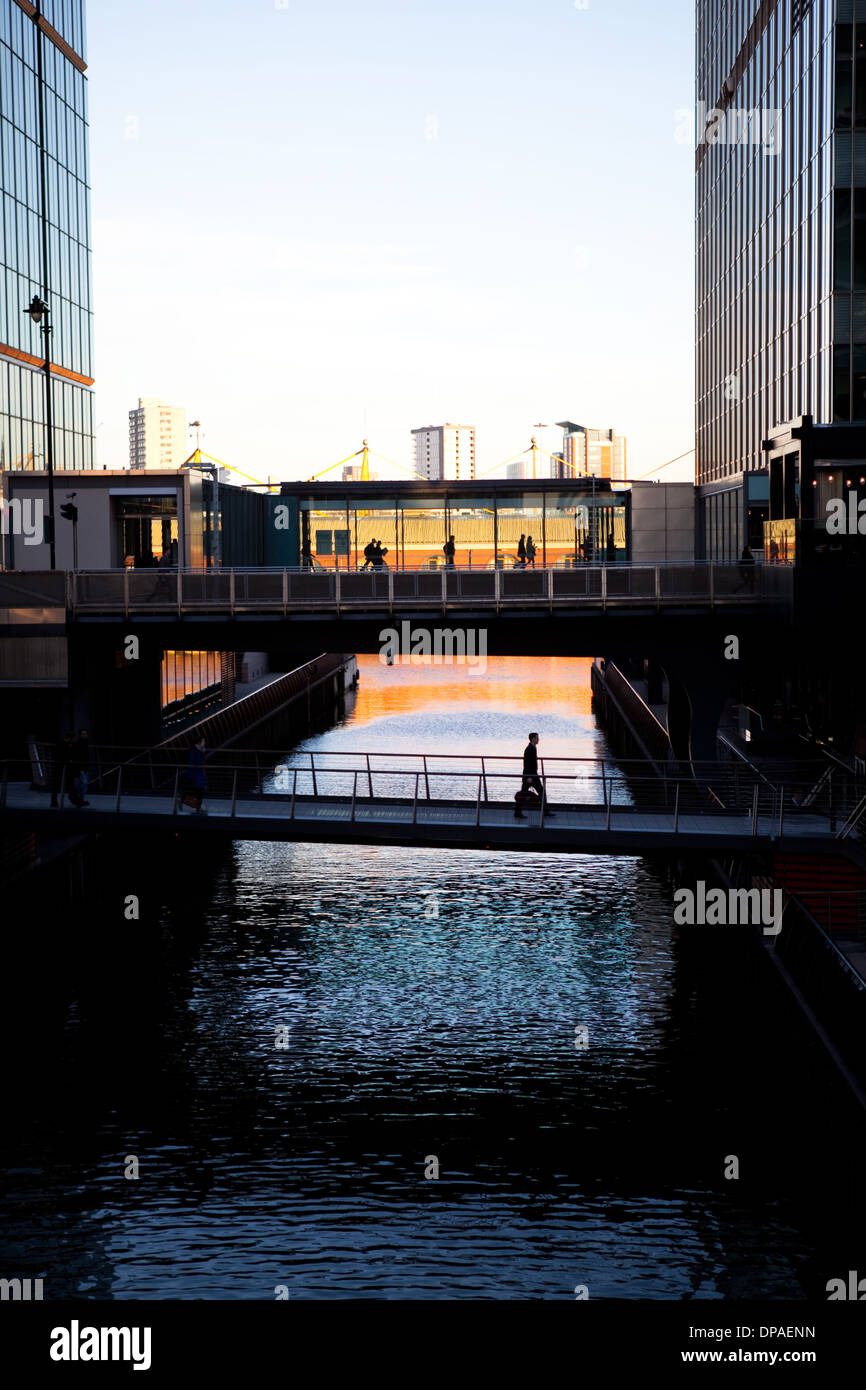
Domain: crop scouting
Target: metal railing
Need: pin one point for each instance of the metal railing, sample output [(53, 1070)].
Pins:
[(841, 912), (124, 775), (286, 590)]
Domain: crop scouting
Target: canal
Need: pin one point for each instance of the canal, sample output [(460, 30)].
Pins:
[(414, 1073)]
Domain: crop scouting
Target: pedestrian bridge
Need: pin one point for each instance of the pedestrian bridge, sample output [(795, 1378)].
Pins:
[(253, 593), (588, 806)]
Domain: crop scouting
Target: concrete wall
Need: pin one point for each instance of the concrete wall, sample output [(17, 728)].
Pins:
[(662, 523), (97, 524)]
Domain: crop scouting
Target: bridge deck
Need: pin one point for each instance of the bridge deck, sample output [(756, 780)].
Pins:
[(573, 829)]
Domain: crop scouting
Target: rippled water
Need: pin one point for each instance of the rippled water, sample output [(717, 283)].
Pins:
[(429, 1000)]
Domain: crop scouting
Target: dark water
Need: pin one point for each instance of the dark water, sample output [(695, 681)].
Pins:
[(430, 1000)]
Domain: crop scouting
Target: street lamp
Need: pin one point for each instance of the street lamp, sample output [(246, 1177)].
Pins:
[(39, 313)]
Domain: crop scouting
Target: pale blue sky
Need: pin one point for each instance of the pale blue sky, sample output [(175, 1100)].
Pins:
[(317, 221)]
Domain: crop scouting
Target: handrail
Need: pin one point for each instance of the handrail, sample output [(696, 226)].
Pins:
[(236, 591), (845, 830), (806, 778)]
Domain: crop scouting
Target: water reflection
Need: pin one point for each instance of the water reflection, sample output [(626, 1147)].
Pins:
[(429, 1002)]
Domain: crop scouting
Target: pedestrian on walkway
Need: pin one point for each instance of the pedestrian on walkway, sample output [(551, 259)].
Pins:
[(448, 551), (79, 769), (195, 783), (521, 552), (60, 766), (532, 786), (164, 588), (530, 552), (747, 571)]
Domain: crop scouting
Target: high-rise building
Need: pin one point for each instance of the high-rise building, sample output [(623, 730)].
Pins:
[(445, 451), (157, 435), (592, 453), (780, 211), (45, 245)]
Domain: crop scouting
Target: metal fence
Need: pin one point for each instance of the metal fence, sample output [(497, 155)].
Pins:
[(286, 590), (412, 779)]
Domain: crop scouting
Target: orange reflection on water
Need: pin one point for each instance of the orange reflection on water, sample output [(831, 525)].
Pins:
[(520, 682)]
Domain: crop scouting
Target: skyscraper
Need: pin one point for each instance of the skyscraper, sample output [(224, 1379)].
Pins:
[(780, 238), (45, 244), (157, 434), (445, 451)]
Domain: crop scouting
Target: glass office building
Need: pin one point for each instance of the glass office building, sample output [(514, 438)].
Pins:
[(780, 240), (330, 525), (44, 146)]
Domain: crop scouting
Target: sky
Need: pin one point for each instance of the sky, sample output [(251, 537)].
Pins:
[(318, 223)]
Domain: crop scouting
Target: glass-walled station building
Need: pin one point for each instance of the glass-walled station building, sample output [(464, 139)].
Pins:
[(330, 525)]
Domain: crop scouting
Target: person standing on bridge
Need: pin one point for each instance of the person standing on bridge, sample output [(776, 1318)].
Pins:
[(60, 766), (79, 768), (531, 780), (448, 550), (196, 781)]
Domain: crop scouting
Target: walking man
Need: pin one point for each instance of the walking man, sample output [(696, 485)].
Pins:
[(521, 551), (531, 779), (196, 780), (530, 552)]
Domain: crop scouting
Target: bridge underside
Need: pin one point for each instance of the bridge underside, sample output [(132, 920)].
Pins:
[(529, 632), (574, 829)]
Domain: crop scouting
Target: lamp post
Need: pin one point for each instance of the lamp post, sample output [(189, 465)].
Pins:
[(39, 313)]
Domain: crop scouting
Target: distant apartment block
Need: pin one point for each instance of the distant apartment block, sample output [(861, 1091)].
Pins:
[(352, 474), (157, 435), (445, 451), (589, 453)]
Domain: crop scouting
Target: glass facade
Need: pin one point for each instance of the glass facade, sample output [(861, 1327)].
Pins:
[(560, 526), (147, 529), (184, 674), (64, 281), (775, 222)]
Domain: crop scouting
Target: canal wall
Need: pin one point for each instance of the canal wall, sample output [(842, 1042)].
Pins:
[(280, 712), (633, 729), (820, 951)]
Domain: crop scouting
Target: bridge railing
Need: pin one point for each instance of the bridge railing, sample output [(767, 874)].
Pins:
[(125, 775), (285, 590)]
